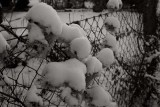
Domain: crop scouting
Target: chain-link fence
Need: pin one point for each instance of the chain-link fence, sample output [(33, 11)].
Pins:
[(19, 73)]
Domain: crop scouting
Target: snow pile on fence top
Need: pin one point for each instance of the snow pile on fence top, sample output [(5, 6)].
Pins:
[(35, 34), (71, 71), (110, 41), (81, 47), (45, 16), (69, 99), (112, 24), (69, 33), (106, 57), (93, 65), (100, 97), (114, 4), (3, 44)]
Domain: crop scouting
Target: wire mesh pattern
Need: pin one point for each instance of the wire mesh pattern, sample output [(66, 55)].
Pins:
[(117, 78)]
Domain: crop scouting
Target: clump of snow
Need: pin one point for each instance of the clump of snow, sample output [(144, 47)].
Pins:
[(47, 17), (112, 24), (33, 2), (71, 71), (69, 99), (79, 27), (32, 96), (106, 57), (110, 41), (114, 4), (3, 44), (100, 97), (93, 65), (88, 4), (69, 33), (35, 34), (158, 8), (81, 47)]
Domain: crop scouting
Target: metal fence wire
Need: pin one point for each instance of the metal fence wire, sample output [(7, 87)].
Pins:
[(117, 79)]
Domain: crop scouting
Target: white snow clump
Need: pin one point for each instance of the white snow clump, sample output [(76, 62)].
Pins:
[(81, 47), (3, 44), (32, 96), (106, 57), (114, 4), (93, 65), (112, 24), (80, 28), (47, 17), (158, 8), (110, 41), (69, 33), (100, 97), (69, 99), (35, 34), (71, 71)]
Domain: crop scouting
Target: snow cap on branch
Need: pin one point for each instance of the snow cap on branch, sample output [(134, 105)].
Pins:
[(114, 4), (110, 41), (93, 65), (100, 97), (71, 32), (46, 16), (71, 71), (106, 57), (112, 24), (81, 47)]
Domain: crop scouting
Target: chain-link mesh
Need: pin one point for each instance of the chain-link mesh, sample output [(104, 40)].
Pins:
[(117, 79)]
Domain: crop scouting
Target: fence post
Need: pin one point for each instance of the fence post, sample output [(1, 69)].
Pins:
[(150, 26)]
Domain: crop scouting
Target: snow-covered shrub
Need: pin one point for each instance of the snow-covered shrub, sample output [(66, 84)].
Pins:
[(44, 15), (106, 57), (112, 24), (100, 97), (71, 32), (110, 41), (71, 71), (114, 4), (93, 65), (81, 47)]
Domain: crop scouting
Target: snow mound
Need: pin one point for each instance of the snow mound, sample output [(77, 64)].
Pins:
[(112, 24), (69, 33), (81, 47), (106, 57), (110, 42), (93, 65), (71, 71), (114, 4), (33, 2), (80, 28), (35, 34), (47, 17), (32, 96), (100, 97), (69, 99), (3, 44)]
